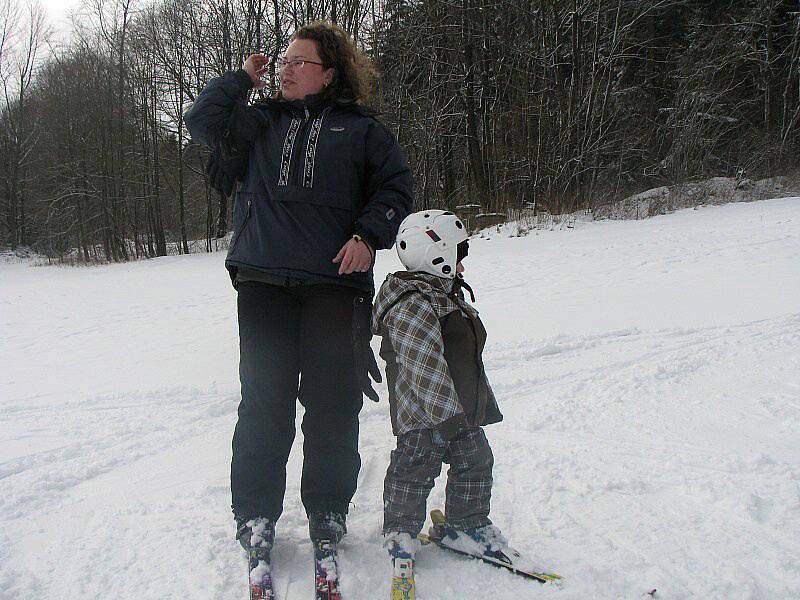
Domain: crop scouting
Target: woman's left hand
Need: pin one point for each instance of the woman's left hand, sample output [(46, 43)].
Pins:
[(354, 257)]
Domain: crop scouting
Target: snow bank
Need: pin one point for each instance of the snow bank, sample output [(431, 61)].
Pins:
[(718, 190)]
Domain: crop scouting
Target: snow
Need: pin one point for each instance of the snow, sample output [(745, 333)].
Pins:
[(489, 538), (649, 373), (258, 573)]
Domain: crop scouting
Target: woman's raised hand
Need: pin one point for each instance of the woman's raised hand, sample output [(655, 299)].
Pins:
[(255, 66)]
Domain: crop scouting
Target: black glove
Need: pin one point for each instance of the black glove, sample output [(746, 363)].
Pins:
[(374, 372), (220, 180), (365, 363), (231, 151)]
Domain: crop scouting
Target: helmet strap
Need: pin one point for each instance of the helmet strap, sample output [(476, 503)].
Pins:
[(460, 283)]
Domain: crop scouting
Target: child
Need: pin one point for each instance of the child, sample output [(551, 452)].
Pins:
[(439, 396)]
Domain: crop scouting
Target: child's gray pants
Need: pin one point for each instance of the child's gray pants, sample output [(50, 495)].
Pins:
[(415, 464)]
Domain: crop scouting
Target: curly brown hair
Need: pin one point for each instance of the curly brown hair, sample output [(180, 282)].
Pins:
[(353, 71)]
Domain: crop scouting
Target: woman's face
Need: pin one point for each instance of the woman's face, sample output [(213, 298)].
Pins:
[(298, 82)]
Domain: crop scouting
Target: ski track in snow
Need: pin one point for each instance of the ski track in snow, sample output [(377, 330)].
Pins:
[(649, 374)]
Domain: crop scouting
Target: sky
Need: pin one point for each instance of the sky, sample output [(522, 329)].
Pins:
[(57, 14)]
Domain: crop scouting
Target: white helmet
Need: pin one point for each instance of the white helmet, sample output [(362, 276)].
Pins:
[(427, 241)]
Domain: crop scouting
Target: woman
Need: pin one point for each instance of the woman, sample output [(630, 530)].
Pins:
[(325, 187)]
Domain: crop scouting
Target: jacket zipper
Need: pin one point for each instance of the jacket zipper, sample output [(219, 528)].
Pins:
[(244, 224)]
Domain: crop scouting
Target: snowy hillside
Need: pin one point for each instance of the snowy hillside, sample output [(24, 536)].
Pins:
[(649, 373)]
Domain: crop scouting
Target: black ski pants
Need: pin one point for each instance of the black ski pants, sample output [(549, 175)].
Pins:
[(286, 334)]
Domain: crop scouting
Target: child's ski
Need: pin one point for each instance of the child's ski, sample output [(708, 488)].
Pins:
[(326, 571), (508, 558), (260, 575), (402, 579)]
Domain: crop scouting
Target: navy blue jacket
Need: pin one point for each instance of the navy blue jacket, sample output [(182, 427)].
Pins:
[(318, 172)]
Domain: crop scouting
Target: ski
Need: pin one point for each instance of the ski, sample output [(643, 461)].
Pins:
[(260, 575), (509, 559), (326, 571), (402, 579)]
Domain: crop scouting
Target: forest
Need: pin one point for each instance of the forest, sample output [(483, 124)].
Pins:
[(508, 106)]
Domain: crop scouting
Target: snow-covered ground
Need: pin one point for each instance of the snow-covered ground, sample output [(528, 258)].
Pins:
[(649, 373)]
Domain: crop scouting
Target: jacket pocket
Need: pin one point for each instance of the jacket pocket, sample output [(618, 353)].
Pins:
[(324, 216), (316, 197)]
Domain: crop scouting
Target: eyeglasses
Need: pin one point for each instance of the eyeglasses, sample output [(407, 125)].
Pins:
[(282, 64)]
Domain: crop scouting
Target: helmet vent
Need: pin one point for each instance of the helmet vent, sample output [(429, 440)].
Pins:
[(446, 269), (459, 225), (403, 245), (438, 260)]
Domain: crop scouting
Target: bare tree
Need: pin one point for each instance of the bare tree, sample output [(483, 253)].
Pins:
[(23, 34)]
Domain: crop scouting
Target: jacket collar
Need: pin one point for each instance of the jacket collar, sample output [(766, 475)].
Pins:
[(436, 290), (315, 104)]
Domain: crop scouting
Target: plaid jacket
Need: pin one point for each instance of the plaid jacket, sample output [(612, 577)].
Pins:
[(422, 395)]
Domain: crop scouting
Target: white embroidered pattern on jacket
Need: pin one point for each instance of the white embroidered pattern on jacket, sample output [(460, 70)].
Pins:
[(311, 149), (288, 147)]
